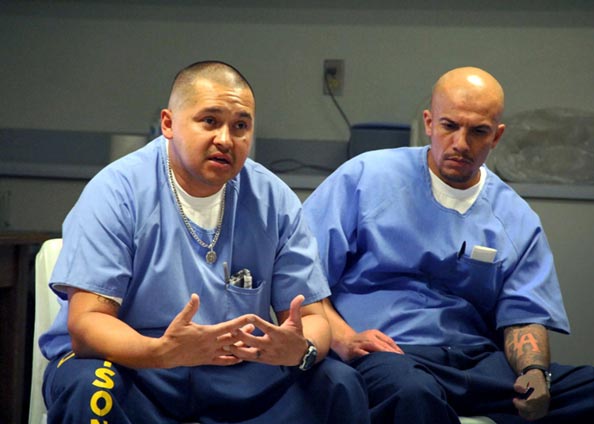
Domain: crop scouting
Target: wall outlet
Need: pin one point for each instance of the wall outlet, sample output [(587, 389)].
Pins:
[(333, 76)]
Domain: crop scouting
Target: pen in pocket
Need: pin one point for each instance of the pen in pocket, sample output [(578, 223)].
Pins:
[(462, 249), (226, 272)]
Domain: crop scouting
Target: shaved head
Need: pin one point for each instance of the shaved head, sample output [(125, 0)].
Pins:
[(471, 85), (183, 88), (464, 124)]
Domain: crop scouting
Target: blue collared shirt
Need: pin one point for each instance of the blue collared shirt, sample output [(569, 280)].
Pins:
[(126, 238), (393, 255)]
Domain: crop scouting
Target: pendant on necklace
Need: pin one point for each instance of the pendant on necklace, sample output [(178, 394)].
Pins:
[(211, 257)]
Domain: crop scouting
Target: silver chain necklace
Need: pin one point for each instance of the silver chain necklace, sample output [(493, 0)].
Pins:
[(211, 255)]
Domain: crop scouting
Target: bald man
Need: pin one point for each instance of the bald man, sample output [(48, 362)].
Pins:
[(443, 282), (172, 260)]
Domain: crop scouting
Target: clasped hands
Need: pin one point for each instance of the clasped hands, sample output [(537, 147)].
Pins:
[(186, 343)]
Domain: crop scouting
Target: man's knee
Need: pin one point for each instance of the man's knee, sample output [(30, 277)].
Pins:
[(339, 374), (86, 384), (340, 392), (388, 374)]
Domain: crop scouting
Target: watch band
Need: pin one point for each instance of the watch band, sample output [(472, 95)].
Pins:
[(545, 371), (310, 356)]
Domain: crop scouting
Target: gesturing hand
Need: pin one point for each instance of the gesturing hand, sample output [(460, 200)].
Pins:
[(186, 343), (279, 345)]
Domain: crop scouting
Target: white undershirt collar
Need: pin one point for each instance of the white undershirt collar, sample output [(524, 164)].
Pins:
[(203, 211), (453, 198)]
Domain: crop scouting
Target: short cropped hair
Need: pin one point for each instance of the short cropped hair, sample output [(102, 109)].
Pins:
[(220, 72)]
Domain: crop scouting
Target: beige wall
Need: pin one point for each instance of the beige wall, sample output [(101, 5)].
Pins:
[(106, 66), (570, 229)]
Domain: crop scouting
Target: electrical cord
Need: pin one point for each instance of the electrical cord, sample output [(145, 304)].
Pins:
[(291, 165), (282, 166), (327, 76)]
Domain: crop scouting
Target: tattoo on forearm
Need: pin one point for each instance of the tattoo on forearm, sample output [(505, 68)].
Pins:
[(525, 342), (108, 301), (526, 345)]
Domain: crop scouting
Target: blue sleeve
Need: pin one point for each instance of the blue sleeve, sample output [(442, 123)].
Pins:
[(98, 239), (531, 292), (297, 261), (332, 211)]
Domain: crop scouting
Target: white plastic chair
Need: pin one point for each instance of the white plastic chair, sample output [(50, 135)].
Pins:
[(476, 420), (46, 308)]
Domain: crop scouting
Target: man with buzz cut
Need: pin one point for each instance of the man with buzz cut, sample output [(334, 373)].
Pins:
[(172, 259)]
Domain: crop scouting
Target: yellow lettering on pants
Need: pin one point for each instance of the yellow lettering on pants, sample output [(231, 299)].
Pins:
[(101, 401), (97, 397), (104, 375), (65, 358)]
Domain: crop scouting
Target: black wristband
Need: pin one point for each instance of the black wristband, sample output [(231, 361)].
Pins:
[(534, 367), (545, 371)]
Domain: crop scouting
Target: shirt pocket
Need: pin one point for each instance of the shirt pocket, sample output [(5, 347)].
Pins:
[(477, 282), (241, 301)]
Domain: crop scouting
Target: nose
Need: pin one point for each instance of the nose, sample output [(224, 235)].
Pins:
[(461, 142), (223, 138)]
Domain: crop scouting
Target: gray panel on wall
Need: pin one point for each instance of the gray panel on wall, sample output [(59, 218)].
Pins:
[(61, 154)]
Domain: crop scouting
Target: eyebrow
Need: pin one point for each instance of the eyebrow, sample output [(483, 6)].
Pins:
[(246, 115), (448, 121), (451, 121), (242, 114)]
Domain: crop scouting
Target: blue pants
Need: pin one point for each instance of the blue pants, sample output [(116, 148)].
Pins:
[(84, 390), (435, 385)]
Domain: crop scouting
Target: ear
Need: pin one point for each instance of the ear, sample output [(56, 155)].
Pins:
[(498, 134), (427, 119), (167, 123)]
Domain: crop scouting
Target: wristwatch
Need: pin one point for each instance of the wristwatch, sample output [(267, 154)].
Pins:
[(309, 359), (545, 371)]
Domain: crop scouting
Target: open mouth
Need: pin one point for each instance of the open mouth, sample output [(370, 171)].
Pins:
[(220, 159)]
